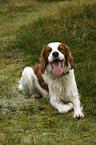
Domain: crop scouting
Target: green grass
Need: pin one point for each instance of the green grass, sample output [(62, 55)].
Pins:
[(25, 27)]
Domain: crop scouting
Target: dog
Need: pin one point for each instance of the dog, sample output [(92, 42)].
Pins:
[(54, 78)]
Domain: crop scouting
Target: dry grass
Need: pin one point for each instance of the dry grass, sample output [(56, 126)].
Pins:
[(25, 27)]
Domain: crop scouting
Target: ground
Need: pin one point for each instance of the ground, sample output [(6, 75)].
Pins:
[(25, 27)]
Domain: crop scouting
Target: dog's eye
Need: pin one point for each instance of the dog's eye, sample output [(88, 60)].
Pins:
[(49, 50), (59, 48)]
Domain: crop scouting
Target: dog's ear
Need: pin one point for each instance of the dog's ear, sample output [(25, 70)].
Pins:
[(43, 59), (68, 57), (70, 60)]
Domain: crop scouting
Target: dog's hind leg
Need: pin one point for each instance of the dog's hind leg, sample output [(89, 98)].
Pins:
[(27, 81)]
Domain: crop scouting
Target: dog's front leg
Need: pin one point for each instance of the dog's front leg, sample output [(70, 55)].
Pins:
[(77, 109), (56, 102)]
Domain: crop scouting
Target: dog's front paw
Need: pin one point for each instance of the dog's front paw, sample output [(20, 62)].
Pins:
[(79, 115)]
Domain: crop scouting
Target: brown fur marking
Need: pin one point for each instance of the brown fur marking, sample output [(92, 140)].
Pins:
[(40, 79)]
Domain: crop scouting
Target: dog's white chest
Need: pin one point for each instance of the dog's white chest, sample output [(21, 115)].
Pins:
[(58, 87)]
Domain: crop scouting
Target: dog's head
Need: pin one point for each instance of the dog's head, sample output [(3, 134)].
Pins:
[(56, 58)]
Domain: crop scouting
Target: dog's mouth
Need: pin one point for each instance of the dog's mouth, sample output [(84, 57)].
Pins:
[(57, 67)]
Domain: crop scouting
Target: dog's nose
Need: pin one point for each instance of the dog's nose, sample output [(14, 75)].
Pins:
[(55, 54)]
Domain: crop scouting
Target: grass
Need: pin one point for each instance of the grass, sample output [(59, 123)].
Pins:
[(25, 27)]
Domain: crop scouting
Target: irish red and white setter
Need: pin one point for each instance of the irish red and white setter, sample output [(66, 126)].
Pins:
[(54, 78)]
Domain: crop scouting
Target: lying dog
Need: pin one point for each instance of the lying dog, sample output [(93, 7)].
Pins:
[(54, 77)]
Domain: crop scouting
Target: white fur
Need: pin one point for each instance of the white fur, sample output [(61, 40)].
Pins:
[(29, 83), (64, 88), (60, 88)]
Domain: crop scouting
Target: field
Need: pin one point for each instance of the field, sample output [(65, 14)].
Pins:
[(25, 27)]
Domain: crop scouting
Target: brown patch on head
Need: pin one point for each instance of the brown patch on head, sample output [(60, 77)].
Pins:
[(68, 57), (44, 58)]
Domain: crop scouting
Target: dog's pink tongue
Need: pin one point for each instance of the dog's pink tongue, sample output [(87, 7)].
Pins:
[(57, 70)]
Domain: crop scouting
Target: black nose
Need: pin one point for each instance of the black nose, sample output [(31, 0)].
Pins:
[(55, 54)]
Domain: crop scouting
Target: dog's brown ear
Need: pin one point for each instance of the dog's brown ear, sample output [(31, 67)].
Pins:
[(43, 59), (68, 56), (70, 60)]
